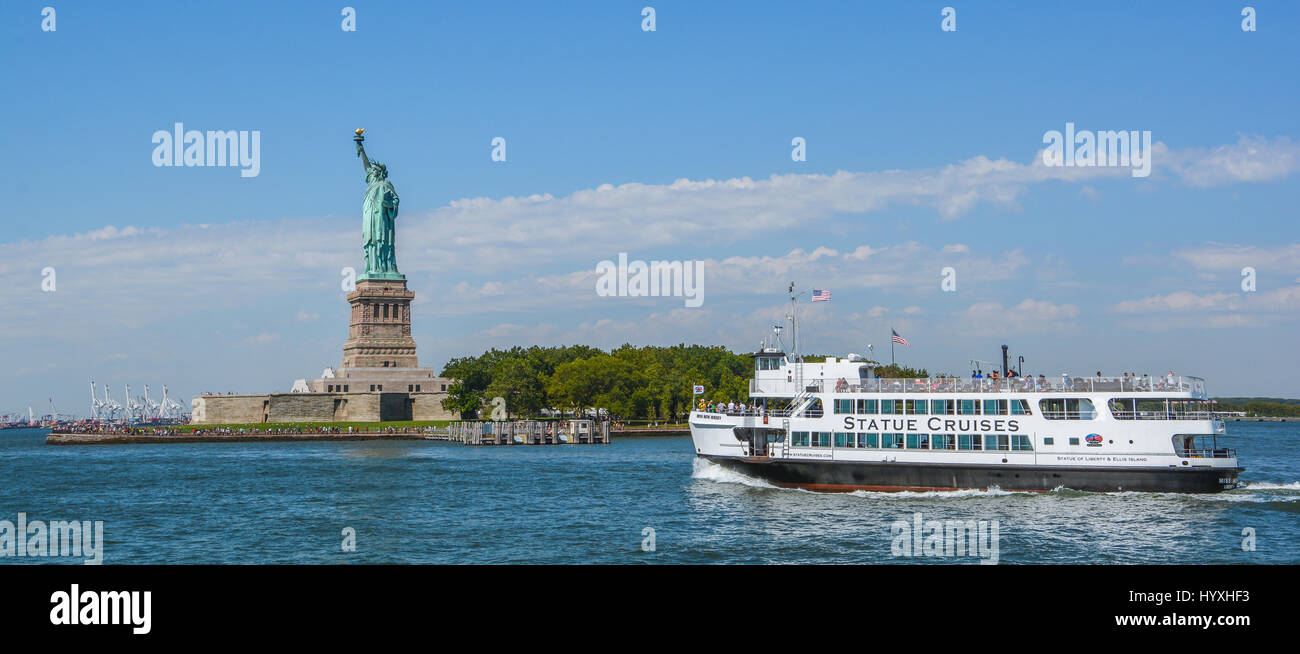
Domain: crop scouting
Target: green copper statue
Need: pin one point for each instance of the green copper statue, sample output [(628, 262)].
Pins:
[(378, 219)]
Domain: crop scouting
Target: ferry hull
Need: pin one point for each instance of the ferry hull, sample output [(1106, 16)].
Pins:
[(845, 476)]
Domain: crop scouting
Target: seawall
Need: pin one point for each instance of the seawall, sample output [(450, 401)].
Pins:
[(55, 438)]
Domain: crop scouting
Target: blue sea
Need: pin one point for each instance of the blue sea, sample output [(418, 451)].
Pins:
[(433, 502)]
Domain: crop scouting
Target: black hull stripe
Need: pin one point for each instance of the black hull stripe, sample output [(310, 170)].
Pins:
[(882, 476)]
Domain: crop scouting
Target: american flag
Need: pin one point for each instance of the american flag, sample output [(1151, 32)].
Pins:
[(899, 339), (821, 296)]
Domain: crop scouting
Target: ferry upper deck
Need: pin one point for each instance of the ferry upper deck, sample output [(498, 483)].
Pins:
[(775, 376)]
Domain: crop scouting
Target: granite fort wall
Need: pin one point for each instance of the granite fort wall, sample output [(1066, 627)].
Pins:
[(318, 407)]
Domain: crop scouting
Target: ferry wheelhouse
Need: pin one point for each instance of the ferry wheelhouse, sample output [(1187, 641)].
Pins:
[(836, 426)]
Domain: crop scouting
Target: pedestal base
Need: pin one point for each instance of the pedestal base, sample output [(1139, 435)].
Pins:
[(380, 332)]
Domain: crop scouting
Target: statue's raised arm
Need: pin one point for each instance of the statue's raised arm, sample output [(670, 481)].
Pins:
[(361, 149)]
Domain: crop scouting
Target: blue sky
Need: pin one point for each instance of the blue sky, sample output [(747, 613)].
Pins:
[(205, 280)]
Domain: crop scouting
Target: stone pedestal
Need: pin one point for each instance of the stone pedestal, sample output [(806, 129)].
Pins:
[(380, 331)]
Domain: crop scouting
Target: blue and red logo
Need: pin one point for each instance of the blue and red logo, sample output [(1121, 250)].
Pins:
[(1094, 440)]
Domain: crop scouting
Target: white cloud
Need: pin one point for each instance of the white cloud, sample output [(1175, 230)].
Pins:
[(1281, 299), (1224, 257), (1029, 315), (1251, 159)]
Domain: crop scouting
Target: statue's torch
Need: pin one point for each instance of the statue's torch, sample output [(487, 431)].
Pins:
[(359, 138)]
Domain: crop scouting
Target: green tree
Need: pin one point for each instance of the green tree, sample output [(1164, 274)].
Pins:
[(515, 381), (893, 371)]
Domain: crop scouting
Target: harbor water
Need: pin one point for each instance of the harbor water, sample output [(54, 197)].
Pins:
[(643, 500)]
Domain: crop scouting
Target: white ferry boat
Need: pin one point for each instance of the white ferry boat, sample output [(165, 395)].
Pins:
[(836, 426)]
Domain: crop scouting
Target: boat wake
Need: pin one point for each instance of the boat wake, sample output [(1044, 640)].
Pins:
[(1268, 486), (940, 494), (710, 471)]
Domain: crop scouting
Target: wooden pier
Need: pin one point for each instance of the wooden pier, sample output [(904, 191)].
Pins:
[(525, 432)]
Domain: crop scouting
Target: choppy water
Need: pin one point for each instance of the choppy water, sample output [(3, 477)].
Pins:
[(427, 502)]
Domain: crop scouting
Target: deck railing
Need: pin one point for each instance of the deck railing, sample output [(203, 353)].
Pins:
[(1166, 384), (1164, 415)]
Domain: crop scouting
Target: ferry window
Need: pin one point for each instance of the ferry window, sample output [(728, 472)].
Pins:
[(1067, 409), (995, 407), (968, 441), (868, 440), (867, 406), (799, 439), (1020, 407), (967, 407), (1123, 409), (916, 407), (997, 442), (891, 441), (943, 442), (843, 439), (918, 441), (821, 439), (942, 407), (1021, 442), (891, 406), (1048, 440), (330, 388), (1074, 440), (843, 406)]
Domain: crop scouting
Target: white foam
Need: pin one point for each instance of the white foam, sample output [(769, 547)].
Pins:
[(710, 471), (1264, 485), (945, 494)]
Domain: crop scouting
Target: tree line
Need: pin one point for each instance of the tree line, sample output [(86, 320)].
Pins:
[(1262, 407), (652, 383)]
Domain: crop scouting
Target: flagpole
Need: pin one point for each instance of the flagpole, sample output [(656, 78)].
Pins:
[(891, 345)]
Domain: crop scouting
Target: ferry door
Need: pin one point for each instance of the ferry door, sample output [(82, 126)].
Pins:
[(758, 445)]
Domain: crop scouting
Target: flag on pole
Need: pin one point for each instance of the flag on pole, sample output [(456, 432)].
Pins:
[(899, 339), (821, 296), (698, 390)]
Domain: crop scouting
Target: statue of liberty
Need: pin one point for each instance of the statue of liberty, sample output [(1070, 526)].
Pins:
[(378, 218)]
